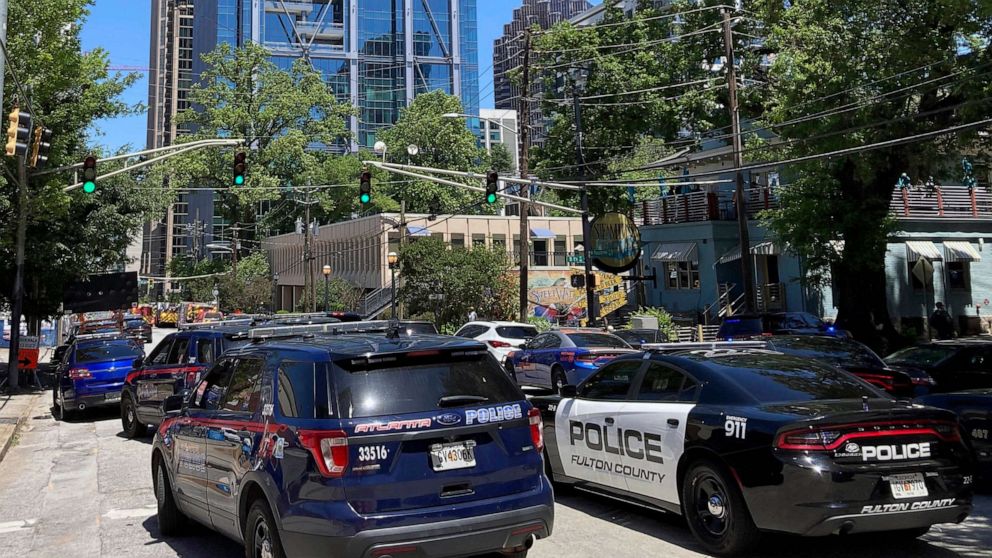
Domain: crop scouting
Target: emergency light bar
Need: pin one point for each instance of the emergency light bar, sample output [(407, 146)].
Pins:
[(339, 328), (705, 346), (217, 325)]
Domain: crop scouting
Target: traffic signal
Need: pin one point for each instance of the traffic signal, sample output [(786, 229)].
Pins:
[(40, 146), (239, 168), (89, 174), (18, 133), (492, 181), (365, 187)]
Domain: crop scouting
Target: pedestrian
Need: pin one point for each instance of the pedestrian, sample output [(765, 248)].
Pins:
[(472, 316), (942, 322)]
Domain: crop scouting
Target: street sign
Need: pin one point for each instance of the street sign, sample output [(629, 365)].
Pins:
[(923, 270), (576, 259), (27, 352)]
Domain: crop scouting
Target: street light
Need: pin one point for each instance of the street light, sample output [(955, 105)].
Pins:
[(380, 149), (327, 276), (393, 260)]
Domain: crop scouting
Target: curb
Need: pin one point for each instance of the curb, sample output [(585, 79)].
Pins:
[(9, 441)]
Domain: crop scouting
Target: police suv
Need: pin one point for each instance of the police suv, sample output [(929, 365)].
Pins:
[(745, 441), (355, 445)]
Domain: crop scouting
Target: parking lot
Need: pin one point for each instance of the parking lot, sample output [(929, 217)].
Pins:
[(81, 489)]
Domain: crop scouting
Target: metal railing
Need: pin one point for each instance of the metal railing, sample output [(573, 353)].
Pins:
[(375, 302), (954, 202), (703, 206)]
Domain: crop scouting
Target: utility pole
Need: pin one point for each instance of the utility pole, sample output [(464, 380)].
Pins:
[(235, 244), (523, 121), (591, 312), (402, 244), (3, 38), (17, 303), (307, 257), (747, 264)]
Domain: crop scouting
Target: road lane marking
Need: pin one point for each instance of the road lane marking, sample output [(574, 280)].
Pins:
[(15, 526), (132, 513)]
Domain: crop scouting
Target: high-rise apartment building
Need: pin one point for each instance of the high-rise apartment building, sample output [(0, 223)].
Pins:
[(508, 55), (377, 55)]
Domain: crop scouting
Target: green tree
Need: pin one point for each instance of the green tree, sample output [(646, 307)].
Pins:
[(341, 295), (444, 143), (202, 288), (74, 234), (250, 288), (500, 158), (479, 278), (920, 66), (288, 118)]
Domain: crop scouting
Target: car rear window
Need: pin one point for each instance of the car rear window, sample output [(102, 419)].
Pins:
[(516, 332), (737, 327), (831, 350), (115, 351), (422, 329), (416, 386), (234, 343), (791, 380), (927, 355), (135, 323), (598, 340)]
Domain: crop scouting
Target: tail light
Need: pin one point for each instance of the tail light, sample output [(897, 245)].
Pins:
[(925, 381), (329, 449), (499, 344), (829, 438), (588, 358), (79, 374), (536, 428)]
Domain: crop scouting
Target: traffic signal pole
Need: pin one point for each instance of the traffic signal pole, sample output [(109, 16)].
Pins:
[(591, 311), (523, 121), (17, 298)]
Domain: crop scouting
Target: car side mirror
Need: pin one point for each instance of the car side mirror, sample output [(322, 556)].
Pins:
[(568, 391), (138, 362), (173, 404)]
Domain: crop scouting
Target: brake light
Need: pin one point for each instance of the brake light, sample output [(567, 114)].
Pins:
[(830, 438), (587, 358), (499, 344), (536, 428), (79, 374), (329, 449), (927, 381)]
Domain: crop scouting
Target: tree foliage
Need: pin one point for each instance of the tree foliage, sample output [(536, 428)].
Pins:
[(479, 278)]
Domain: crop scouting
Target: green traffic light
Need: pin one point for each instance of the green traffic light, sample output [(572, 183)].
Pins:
[(89, 187), (239, 180), (491, 198), (365, 198)]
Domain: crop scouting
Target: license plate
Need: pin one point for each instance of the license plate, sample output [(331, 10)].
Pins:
[(112, 396), (457, 455), (908, 486)]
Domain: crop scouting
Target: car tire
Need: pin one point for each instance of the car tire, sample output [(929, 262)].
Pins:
[(129, 419), (715, 510), (59, 411), (558, 378), (261, 534), (170, 519)]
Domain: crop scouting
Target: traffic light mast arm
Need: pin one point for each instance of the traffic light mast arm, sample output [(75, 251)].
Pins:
[(219, 142), (555, 185), (393, 169), (180, 149)]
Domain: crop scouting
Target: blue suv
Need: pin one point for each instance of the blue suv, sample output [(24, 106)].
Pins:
[(91, 373), (173, 367), (356, 445)]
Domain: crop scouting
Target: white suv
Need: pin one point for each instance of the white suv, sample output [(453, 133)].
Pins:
[(501, 338)]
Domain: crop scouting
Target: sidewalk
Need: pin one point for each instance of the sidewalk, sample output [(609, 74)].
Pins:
[(14, 410)]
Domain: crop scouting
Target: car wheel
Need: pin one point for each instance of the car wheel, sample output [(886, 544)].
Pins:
[(715, 510), (129, 419), (170, 519), (558, 379), (261, 536), (59, 412)]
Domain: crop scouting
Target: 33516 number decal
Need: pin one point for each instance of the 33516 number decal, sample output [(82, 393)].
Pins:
[(372, 453)]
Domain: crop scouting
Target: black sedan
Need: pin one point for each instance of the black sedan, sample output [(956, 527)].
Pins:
[(974, 410), (961, 364), (746, 441), (136, 327)]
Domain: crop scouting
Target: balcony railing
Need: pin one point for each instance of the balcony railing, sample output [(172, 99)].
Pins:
[(703, 206), (953, 202)]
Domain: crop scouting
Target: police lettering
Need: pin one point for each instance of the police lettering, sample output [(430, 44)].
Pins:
[(895, 452), (632, 443)]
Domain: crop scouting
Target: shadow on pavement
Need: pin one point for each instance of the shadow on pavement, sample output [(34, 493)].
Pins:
[(970, 539), (146, 439), (196, 542)]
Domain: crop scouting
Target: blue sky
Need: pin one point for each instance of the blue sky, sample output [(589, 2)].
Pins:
[(121, 27)]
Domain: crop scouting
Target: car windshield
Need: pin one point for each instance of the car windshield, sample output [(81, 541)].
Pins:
[(111, 351), (830, 350), (924, 355), (516, 332), (777, 380), (638, 336), (419, 385), (419, 328), (598, 340), (737, 327), (135, 323)]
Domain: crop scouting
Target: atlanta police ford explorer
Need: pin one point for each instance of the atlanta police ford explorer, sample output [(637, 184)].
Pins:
[(747, 441)]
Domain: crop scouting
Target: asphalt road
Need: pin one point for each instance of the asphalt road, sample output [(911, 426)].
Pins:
[(80, 489)]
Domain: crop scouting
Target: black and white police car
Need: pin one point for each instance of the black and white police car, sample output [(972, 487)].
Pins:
[(745, 441)]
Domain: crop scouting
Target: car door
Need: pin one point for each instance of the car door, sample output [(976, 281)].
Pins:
[(974, 371), (190, 433), (526, 363), (545, 358), (154, 371), (654, 425), (230, 438), (586, 426)]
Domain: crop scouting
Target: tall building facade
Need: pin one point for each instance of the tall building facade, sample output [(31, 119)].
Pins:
[(376, 55), (508, 55)]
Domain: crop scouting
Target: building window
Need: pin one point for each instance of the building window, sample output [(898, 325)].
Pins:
[(561, 251), (499, 242), (682, 275), (540, 256), (958, 275), (458, 241), (478, 240), (913, 279)]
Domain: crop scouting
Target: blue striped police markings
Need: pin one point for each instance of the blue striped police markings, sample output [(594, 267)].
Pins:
[(626, 445)]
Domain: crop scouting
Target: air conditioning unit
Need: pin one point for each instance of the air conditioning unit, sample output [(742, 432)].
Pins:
[(644, 322)]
